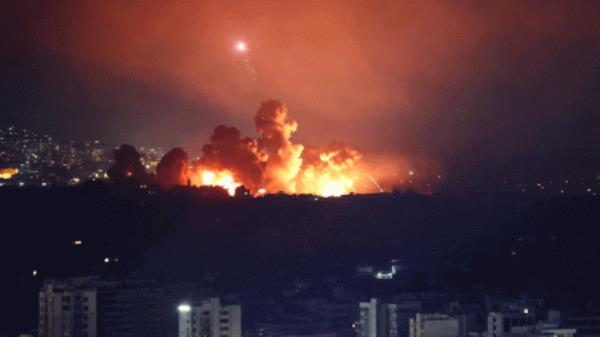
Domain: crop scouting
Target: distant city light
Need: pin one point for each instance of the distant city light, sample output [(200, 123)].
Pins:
[(183, 308), (77, 243), (411, 173), (106, 260), (34, 273), (525, 311)]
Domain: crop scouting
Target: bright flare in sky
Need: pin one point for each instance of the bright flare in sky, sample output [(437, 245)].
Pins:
[(241, 46)]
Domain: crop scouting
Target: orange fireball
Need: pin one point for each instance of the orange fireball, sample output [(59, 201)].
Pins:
[(222, 179)]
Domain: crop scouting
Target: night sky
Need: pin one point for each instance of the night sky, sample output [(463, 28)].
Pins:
[(506, 88)]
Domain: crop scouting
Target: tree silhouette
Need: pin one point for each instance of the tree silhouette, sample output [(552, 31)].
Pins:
[(242, 192), (173, 169), (127, 166)]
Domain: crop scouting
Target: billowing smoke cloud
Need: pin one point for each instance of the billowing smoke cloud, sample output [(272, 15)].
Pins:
[(273, 163), (329, 170), (419, 78), (336, 155), (228, 151), (283, 157)]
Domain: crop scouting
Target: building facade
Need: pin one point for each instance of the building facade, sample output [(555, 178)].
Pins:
[(92, 307), (501, 324), (377, 319), (210, 318), (67, 309), (434, 325)]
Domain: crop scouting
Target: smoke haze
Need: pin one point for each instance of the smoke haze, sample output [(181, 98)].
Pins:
[(483, 88)]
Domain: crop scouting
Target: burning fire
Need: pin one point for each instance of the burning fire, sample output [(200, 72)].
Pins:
[(222, 179), (330, 187), (272, 163), (8, 173), (329, 172)]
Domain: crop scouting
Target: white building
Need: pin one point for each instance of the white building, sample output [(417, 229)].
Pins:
[(210, 319), (434, 325), (377, 319), (67, 308)]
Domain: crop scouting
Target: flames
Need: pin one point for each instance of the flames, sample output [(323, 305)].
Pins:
[(8, 173), (272, 163), (222, 179), (329, 172), (331, 187)]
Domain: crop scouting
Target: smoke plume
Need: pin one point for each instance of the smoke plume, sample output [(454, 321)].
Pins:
[(272, 162), (283, 158), (228, 151)]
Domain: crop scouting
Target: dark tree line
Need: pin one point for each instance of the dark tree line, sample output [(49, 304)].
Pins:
[(171, 171)]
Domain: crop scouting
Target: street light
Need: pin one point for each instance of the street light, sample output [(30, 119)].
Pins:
[(183, 308)]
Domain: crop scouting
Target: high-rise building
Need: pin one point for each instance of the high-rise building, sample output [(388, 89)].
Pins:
[(434, 325), (210, 319), (91, 307), (137, 308), (377, 319), (67, 308)]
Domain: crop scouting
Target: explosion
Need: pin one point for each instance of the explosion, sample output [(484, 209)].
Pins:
[(272, 163), (223, 179), (329, 172)]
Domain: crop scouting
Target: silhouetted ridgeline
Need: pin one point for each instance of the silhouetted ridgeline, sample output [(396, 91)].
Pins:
[(213, 231)]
